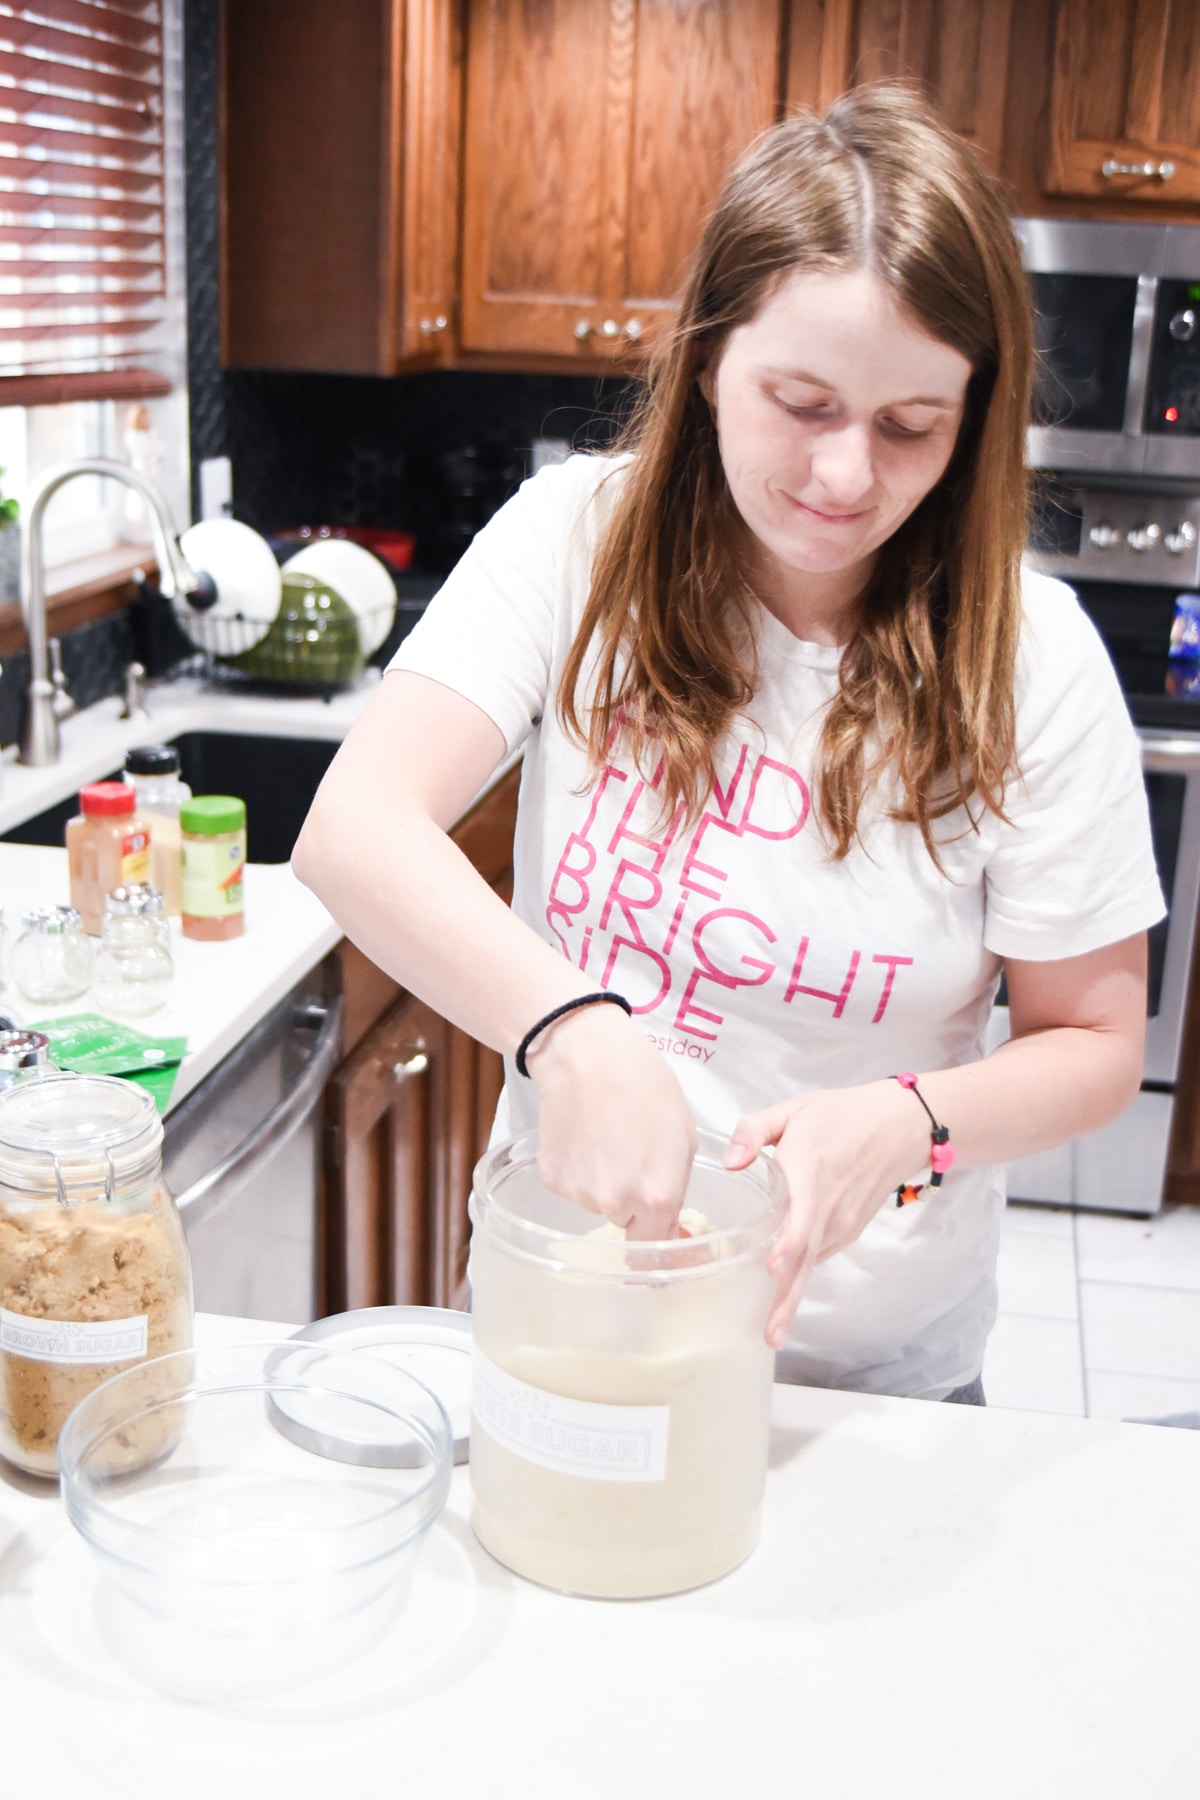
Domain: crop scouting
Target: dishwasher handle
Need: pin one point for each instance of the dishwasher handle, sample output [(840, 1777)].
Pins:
[(245, 1160)]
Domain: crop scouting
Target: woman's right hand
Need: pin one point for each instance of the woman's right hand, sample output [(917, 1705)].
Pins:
[(616, 1134)]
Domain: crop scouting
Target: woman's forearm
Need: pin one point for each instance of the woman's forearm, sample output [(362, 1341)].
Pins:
[(413, 903), (1035, 1092)]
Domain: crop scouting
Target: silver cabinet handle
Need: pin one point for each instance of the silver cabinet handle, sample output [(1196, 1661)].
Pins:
[(632, 329), (245, 1160), (429, 326), (416, 1065), (1110, 168)]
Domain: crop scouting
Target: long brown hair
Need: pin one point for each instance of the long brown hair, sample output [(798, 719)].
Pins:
[(925, 686)]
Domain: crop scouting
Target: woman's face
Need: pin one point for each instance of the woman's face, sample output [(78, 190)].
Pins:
[(836, 414)]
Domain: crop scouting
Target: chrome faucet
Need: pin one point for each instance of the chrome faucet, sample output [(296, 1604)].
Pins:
[(48, 700)]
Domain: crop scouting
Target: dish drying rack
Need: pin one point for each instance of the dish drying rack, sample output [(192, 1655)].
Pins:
[(315, 650)]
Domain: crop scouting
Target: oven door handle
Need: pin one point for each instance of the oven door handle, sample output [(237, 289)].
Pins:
[(245, 1160), (1168, 756)]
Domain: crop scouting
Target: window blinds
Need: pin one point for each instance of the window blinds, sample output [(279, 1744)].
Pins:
[(82, 239)]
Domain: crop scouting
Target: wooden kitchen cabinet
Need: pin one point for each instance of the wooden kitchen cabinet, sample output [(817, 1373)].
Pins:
[(1124, 105), (407, 1116), (597, 137), (339, 150), (957, 50)]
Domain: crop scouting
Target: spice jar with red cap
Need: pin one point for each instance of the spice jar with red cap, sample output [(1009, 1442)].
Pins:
[(108, 846)]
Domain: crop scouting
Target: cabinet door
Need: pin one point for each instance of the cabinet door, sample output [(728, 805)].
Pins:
[(537, 179), (408, 1115), (425, 127), (381, 1154), (339, 183), (597, 137), (705, 83), (958, 50), (1124, 115)]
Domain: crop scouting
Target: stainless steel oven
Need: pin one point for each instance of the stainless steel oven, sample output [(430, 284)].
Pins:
[(1115, 443)]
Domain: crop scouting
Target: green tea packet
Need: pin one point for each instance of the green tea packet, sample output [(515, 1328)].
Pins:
[(90, 1044)]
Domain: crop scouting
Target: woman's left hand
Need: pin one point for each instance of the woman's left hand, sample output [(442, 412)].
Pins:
[(843, 1153)]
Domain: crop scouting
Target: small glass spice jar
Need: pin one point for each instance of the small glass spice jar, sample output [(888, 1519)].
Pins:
[(52, 958), (94, 1270), (108, 844), (144, 898), (214, 859), (133, 970)]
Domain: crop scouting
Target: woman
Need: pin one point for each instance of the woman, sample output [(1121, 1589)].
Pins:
[(807, 764)]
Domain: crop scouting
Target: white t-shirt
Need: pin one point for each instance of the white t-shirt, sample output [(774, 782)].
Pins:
[(759, 967)]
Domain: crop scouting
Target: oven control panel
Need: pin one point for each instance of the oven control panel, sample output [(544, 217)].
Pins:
[(1173, 393), (1102, 534)]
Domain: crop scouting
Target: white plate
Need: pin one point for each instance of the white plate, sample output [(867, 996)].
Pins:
[(359, 577), (431, 1343), (248, 579)]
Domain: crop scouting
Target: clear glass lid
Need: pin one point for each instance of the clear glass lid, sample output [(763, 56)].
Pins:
[(76, 1137)]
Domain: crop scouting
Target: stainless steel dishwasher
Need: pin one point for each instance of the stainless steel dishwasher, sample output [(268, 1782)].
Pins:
[(242, 1154)]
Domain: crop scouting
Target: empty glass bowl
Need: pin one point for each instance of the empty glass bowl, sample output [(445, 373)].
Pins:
[(241, 1556)]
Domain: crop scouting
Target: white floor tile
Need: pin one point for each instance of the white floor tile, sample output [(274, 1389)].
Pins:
[(1036, 1273), (1034, 1365), (1046, 1221), (1134, 1330), (1162, 1252), (1139, 1396)]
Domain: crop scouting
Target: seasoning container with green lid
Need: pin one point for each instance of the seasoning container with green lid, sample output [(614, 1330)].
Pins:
[(213, 842)]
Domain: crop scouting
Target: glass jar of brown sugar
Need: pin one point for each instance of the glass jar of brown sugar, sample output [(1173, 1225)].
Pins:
[(94, 1270)]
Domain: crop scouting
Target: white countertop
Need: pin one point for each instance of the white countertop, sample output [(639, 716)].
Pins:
[(948, 1603), (221, 990)]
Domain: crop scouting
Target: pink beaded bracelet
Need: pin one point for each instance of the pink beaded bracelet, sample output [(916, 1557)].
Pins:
[(941, 1154)]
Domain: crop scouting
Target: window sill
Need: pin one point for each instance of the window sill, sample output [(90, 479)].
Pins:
[(79, 591)]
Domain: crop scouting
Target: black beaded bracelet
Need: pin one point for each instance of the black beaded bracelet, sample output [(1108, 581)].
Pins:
[(559, 1011)]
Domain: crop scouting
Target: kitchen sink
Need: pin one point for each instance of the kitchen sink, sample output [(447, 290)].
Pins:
[(276, 777)]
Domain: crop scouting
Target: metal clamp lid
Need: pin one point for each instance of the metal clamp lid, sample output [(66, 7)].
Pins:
[(72, 1137)]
